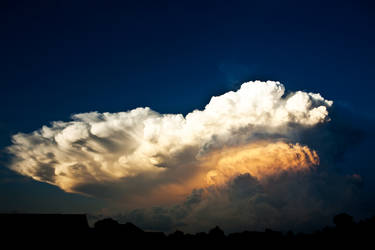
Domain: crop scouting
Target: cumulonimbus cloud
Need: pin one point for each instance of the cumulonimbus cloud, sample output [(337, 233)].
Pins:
[(172, 151)]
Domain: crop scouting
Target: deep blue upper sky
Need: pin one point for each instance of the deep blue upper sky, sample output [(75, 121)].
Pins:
[(64, 57)]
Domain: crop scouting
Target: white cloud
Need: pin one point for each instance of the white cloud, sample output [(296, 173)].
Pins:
[(100, 148)]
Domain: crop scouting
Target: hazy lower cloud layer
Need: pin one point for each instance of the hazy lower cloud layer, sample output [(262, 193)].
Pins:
[(250, 158)]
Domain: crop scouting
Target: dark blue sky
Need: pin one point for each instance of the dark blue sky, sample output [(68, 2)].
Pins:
[(62, 57)]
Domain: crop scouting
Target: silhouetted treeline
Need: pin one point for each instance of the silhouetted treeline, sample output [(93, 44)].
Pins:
[(57, 230)]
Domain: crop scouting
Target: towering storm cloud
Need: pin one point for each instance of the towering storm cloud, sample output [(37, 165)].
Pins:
[(170, 149), (252, 158)]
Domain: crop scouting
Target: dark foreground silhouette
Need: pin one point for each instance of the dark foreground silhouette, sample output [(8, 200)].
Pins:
[(68, 230)]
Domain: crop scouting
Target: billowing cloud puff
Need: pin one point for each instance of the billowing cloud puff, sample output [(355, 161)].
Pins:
[(170, 149)]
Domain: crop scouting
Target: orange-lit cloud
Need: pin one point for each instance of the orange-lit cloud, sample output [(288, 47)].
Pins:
[(260, 159)]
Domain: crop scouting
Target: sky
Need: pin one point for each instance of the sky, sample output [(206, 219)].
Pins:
[(130, 62)]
